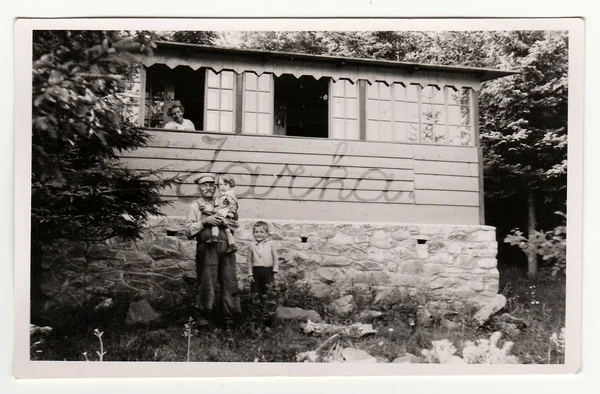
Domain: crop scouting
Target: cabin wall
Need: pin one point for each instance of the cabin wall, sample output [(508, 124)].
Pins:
[(321, 179)]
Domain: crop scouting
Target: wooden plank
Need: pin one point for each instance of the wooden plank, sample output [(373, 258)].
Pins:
[(466, 154), (266, 168), (443, 197), (445, 182), (269, 157), (344, 212), (282, 144), (245, 181), (308, 194), (446, 168)]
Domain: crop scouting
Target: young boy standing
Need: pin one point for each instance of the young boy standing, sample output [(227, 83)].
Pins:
[(263, 261)]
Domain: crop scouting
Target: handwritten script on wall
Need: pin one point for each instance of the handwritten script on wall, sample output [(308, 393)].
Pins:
[(335, 178)]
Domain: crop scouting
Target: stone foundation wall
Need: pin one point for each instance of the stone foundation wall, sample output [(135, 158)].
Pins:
[(449, 263)]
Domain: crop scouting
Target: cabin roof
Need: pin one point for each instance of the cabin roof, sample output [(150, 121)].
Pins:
[(483, 74)]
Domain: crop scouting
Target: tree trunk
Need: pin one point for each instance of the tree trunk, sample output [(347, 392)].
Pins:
[(35, 276), (532, 258)]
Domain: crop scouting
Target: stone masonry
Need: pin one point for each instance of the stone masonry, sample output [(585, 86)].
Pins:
[(448, 263)]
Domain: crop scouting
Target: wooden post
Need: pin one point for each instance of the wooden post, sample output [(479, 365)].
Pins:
[(477, 142), (362, 109), (239, 102), (531, 227)]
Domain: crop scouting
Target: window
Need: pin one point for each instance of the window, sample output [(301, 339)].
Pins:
[(258, 104), (392, 112), (220, 101), (460, 128), (301, 106), (344, 110), (433, 115), (165, 85)]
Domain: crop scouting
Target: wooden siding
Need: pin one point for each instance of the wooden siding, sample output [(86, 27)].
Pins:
[(321, 179)]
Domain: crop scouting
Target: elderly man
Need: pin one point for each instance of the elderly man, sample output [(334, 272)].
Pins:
[(212, 260)]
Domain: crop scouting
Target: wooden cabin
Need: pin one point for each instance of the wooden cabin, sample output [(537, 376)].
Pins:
[(321, 138)]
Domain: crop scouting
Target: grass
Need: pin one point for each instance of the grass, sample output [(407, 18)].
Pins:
[(540, 302)]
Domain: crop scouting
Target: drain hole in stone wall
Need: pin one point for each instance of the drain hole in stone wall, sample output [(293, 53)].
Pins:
[(304, 239), (171, 233), (421, 241)]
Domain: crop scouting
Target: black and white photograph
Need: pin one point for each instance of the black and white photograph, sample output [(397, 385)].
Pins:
[(386, 198)]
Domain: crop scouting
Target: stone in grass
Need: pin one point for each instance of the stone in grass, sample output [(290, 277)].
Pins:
[(485, 313), (369, 315), (343, 306), (352, 355), (285, 313), (105, 305), (141, 312), (449, 324), (407, 359)]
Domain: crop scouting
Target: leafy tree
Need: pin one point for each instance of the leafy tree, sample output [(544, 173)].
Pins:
[(193, 37), (79, 190), (524, 126)]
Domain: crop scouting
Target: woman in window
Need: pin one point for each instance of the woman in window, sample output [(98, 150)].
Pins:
[(178, 122)]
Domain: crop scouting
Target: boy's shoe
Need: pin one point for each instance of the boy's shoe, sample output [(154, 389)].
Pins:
[(212, 240), (231, 248)]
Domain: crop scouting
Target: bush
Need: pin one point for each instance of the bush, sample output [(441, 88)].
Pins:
[(550, 245)]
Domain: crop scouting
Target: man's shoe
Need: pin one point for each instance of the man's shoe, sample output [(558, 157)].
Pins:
[(231, 248)]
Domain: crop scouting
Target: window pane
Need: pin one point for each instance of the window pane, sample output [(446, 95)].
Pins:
[(385, 131), (427, 94), (372, 109), (454, 135), (439, 132), (399, 92), (412, 132), (400, 132), (264, 124), (212, 120), (438, 96), (427, 113), (227, 79), (373, 90), (251, 81), (226, 121), (338, 88), (412, 93), (428, 133), (250, 123), (351, 108), (372, 130), (466, 135), (212, 99), (337, 110), (385, 92), (439, 116), (337, 128), (213, 79), (227, 100), (351, 89), (264, 102), (453, 98), (352, 132), (465, 96), (400, 111), (465, 115), (250, 101), (264, 83), (412, 112), (385, 108), (453, 115)]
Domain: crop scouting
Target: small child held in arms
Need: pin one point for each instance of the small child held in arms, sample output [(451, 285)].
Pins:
[(263, 261), (226, 206)]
